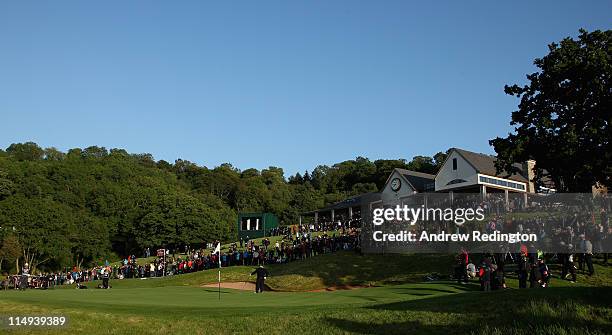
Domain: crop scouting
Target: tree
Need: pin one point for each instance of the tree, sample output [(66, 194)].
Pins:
[(42, 228), (53, 154), (306, 177), (6, 185), (422, 164), (80, 207), (439, 158), (94, 152), (10, 250), (28, 151), (361, 188), (162, 164), (296, 179), (384, 167), (89, 239), (563, 118)]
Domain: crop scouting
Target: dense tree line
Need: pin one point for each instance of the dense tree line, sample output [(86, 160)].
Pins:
[(80, 207)]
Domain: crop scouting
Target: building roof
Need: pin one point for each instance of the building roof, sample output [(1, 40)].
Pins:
[(485, 164), (420, 181)]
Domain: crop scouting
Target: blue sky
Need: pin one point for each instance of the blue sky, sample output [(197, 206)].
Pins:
[(284, 83)]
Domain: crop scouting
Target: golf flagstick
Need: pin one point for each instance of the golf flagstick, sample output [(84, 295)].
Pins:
[(218, 249)]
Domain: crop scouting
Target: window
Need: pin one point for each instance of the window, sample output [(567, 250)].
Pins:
[(501, 182), (454, 163), (456, 181), (250, 223)]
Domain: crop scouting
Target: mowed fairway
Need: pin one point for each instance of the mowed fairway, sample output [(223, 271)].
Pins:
[(197, 310), (401, 304), (194, 301)]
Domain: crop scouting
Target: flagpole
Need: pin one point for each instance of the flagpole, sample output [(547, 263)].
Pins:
[(219, 270)]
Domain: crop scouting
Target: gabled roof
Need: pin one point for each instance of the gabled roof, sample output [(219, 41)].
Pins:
[(485, 164), (419, 181)]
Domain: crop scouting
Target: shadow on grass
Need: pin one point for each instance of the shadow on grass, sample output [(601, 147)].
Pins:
[(406, 327), (536, 311), (478, 301), (471, 286), (458, 288), (348, 268)]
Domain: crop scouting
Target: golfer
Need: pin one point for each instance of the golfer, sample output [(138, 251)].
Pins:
[(23, 279), (105, 278), (262, 274)]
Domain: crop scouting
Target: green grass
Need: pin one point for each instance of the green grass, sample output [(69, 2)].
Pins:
[(338, 269), (433, 308), (345, 269), (401, 304)]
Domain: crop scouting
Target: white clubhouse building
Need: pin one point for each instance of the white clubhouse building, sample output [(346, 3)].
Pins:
[(469, 171), (462, 172)]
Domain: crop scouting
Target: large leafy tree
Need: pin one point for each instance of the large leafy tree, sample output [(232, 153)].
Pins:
[(28, 151), (10, 249), (563, 119), (42, 227)]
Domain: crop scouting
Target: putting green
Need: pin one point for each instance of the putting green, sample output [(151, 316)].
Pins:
[(424, 308), (196, 300), (179, 305)]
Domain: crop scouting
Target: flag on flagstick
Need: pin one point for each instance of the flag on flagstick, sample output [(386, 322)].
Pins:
[(218, 250)]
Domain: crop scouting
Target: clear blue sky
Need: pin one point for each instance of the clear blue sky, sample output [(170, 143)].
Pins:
[(285, 83)]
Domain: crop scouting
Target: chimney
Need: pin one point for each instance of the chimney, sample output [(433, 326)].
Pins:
[(599, 189), (529, 173)]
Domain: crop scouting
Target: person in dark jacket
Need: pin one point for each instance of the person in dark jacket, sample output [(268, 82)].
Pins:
[(587, 249), (571, 268), (534, 275), (461, 271), (262, 274), (523, 270), (485, 275), (544, 273)]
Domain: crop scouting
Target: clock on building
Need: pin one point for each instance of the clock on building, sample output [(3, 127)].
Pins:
[(396, 184)]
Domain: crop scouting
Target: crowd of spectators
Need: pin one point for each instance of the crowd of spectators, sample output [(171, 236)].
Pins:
[(339, 224), (571, 235), (290, 248)]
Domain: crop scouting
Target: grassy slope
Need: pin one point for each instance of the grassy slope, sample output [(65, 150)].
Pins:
[(344, 269), (338, 269), (141, 307)]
